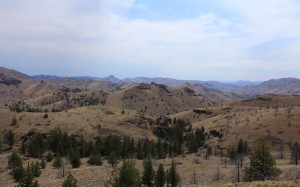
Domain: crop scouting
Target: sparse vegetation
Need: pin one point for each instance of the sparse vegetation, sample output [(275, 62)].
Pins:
[(148, 124)]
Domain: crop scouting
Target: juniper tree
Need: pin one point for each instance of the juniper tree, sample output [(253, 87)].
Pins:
[(160, 178), (10, 138), (173, 175), (70, 181), (295, 153), (262, 164), (148, 174), (127, 176)]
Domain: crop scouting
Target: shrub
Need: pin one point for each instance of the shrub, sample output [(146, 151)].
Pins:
[(46, 116), (95, 159), (70, 181), (14, 160), (75, 159), (57, 163), (49, 156)]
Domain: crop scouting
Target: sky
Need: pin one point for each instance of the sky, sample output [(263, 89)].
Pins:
[(224, 40)]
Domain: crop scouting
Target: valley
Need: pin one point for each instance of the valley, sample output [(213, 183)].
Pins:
[(151, 111)]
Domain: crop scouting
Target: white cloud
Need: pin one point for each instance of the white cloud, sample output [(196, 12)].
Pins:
[(102, 31)]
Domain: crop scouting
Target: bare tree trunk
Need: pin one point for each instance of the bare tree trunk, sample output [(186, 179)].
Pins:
[(238, 171)]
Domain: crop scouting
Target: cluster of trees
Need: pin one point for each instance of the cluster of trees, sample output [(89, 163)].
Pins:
[(113, 147), (237, 152), (18, 108), (24, 176), (128, 175), (179, 134)]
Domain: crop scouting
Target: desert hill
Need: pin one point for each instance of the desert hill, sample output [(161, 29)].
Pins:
[(91, 108), (159, 99), (284, 86), (175, 83)]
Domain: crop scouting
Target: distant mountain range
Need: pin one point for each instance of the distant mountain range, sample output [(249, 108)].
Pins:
[(244, 89), (165, 81)]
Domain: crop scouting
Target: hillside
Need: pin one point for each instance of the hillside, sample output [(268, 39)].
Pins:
[(284, 86), (92, 109)]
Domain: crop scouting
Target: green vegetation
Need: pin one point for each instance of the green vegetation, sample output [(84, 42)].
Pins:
[(10, 138), (262, 164), (26, 176), (173, 176), (160, 179), (95, 159), (70, 181), (295, 153), (149, 173), (127, 176), (57, 163)]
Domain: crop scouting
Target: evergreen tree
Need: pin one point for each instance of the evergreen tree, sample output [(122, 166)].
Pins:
[(149, 173), (27, 179), (17, 173), (49, 156), (14, 121), (262, 164), (242, 150), (160, 176), (70, 181), (35, 169), (75, 159), (14, 160), (173, 175), (208, 152), (99, 145), (232, 153), (37, 146), (10, 138), (159, 148), (112, 158), (43, 164), (140, 152), (95, 159), (57, 163), (295, 153), (0, 146), (128, 175)]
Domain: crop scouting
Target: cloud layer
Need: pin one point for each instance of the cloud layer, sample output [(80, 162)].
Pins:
[(224, 40)]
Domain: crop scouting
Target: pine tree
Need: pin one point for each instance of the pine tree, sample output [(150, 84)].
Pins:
[(232, 153), (149, 173), (112, 158), (208, 152), (75, 159), (295, 153), (57, 163), (95, 159), (27, 179), (160, 176), (262, 164), (14, 160), (160, 149), (173, 175), (140, 152), (10, 138), (70, 181), (128, 175)]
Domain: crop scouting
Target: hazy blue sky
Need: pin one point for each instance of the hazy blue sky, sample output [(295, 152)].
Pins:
[(186, 39)]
